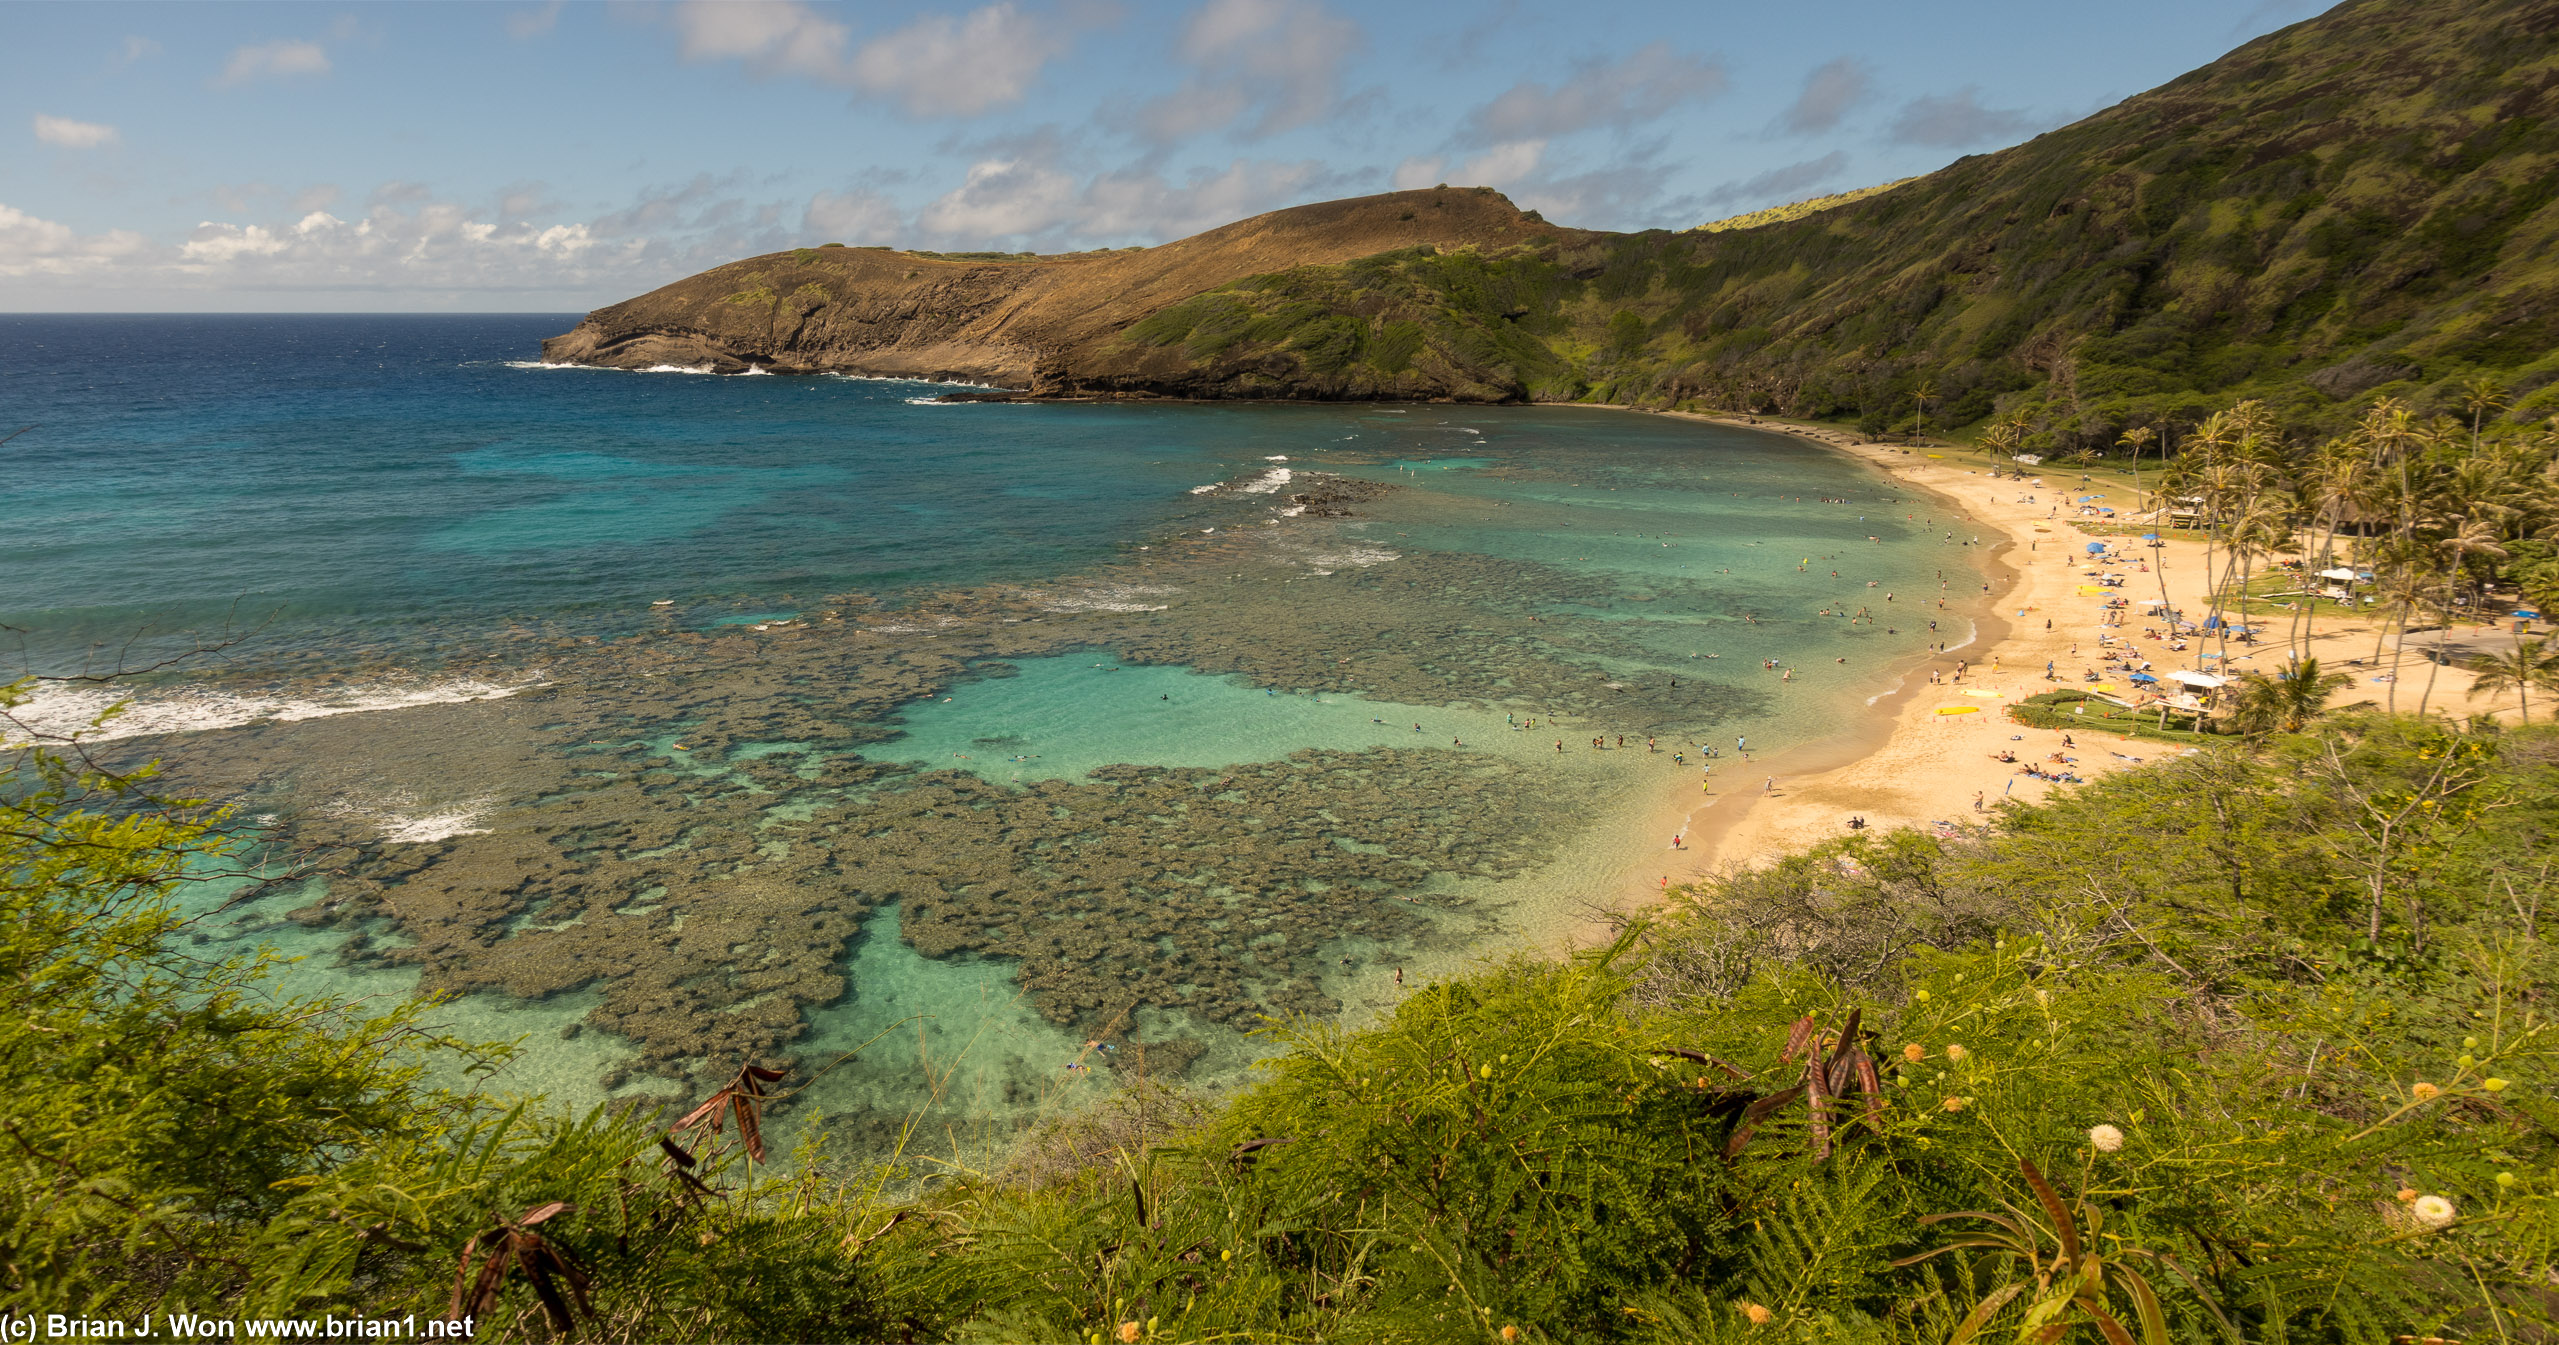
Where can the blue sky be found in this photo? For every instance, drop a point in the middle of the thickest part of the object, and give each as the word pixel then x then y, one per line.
pixel 551 157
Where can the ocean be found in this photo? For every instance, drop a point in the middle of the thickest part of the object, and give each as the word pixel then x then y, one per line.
pixel 976 759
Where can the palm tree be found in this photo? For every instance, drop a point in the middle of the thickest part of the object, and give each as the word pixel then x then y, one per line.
pixel 2480 396
pixel 2004 437
pixel 2530 664
pixel 2136 439
pixel 2477 537
pixel 2284 702
pixel 1924 394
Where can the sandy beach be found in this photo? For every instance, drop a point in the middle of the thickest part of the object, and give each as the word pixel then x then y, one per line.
pixel 1909 765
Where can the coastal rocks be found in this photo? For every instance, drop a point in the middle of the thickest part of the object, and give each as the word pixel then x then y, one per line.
pixel 1332 496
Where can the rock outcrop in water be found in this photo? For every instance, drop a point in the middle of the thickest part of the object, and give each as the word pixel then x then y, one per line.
pixel 1050 325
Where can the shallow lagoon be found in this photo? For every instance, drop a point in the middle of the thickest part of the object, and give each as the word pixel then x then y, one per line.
pixel 863 765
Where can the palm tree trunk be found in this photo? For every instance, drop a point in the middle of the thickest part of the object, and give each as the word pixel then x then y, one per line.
pixel 2434 666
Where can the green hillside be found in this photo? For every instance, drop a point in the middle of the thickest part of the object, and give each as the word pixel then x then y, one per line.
pixel 2354 207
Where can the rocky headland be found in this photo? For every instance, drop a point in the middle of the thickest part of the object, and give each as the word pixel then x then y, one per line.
pixel 1050 326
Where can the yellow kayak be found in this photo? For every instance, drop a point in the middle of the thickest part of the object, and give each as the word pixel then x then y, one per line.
pixel 1958 709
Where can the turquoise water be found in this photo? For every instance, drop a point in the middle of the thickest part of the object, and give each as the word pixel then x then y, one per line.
pixel 1063 717
pixel 677 721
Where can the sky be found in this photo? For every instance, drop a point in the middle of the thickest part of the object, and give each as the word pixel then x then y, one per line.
pixel 555 157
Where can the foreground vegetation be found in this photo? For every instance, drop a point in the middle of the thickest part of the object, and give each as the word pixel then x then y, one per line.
pixel 2250 1045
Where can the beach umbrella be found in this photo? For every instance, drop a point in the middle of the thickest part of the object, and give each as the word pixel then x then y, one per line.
pixel 2144 677
pixel 2150 537
pixel 2095 547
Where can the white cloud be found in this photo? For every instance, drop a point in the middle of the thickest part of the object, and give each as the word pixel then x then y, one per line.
pixel 1280 59
pixel 269 60
pixel 856 217
pixel 71 134
pixel 779 37
pixel 1830 91
pixel 1787 182
pixel 30 246
pixel 1957 121
pixel 1645 85
pixel 439 244
pixel 1022 202
pixel 1499 166
pixel 136 48
pixel 526 24
pixel 936 66
pixel 939 66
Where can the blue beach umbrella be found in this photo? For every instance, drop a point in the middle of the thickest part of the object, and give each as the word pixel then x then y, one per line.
pixel 2095 547
pixel 2143 677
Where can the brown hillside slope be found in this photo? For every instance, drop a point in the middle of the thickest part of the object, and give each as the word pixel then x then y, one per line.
pixel 875 311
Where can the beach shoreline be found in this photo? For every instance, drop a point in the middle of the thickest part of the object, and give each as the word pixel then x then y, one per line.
pixel 1904 764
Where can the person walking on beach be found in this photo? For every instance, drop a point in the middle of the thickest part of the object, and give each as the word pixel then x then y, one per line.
pixel 1559 746
pixel 1770 787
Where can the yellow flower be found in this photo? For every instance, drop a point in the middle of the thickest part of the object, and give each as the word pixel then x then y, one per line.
pixel 1509 1333
pixel 1954 1052
pixel 1914 1053
pixel 2105 1139
pixel 2505 1179
pixel 2424 1092
pixel 1129 1332
pixel 1755 1314
pixel 2406 1194
pixel 1921 996
pixel 1954 1104
pixel 1483 1071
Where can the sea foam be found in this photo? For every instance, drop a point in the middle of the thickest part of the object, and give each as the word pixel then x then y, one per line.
pixel 57 712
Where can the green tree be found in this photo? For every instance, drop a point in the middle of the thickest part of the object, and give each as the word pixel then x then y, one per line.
pixel 157 1097
pixel 2531 665
pixel 2286 701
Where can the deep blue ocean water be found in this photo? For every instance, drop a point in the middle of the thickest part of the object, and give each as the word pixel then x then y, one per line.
pixel 361 475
